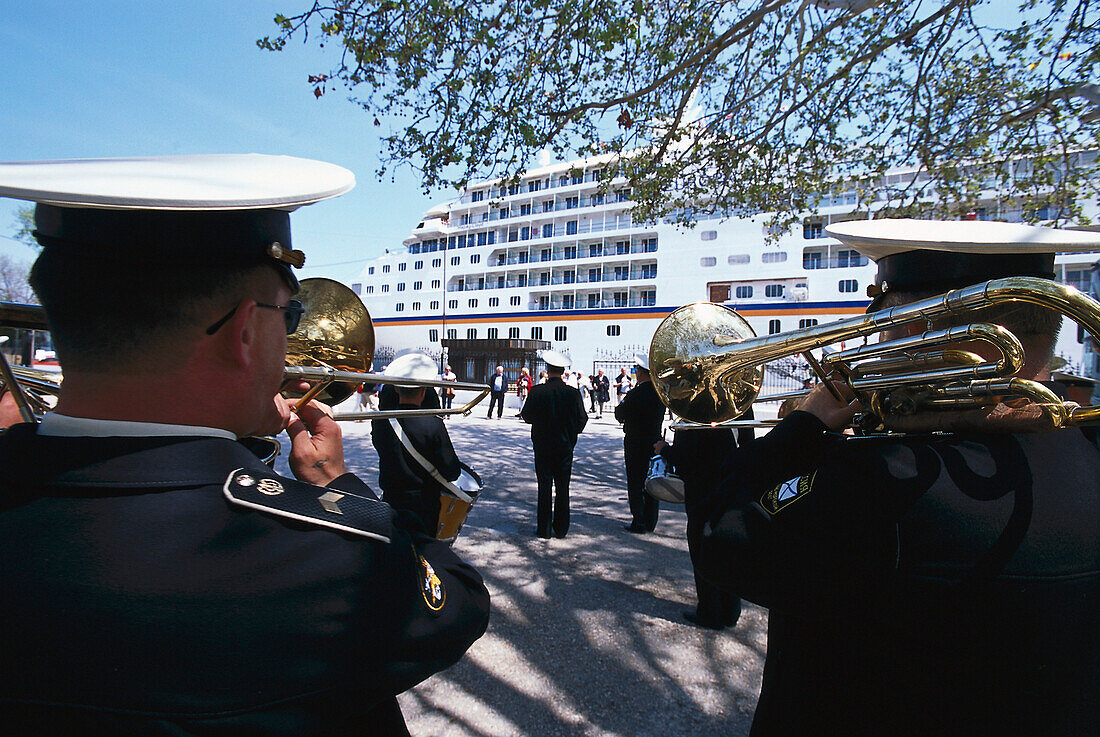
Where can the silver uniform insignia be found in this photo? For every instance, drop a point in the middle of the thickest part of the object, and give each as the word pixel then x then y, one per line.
pixel 328 502
pixel 271 487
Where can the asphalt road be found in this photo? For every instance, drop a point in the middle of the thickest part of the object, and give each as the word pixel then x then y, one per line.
pixel 586 635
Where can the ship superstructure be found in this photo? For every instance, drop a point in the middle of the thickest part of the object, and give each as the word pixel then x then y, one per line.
pixel 557 260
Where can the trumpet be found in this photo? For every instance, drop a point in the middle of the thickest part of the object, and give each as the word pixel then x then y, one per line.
pixel 707 364
pixel 331 350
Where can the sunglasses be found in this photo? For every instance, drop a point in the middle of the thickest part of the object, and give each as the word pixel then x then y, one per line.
pixel 292 315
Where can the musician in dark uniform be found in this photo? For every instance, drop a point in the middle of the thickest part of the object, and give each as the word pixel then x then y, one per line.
pixel 699 457
pixel 157 578
pixel 933 583
pixel 406 482
pixel 641 414
pixel 556 414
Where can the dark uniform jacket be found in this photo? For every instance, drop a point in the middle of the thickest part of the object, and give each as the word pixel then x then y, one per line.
pixel 404 481
pixel 925 585
pixel 641 414
pixel 556 413
pixel 177 586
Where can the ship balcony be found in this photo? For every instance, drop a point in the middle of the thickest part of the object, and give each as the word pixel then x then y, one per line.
pixel 543 280
pixel 571 253
pixel 543 305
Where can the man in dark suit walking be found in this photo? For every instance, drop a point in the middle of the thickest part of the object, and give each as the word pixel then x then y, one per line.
pixel 641 414
pixel 556 414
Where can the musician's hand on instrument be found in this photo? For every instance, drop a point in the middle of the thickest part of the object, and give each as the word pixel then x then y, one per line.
pixel 9 410
pixel 821 403
pixel 659 446
pixel 317 446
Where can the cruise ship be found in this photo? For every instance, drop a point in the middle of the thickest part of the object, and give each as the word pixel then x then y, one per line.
pixel 555 260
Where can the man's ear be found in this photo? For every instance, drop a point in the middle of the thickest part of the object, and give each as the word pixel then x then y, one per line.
pixel 238 337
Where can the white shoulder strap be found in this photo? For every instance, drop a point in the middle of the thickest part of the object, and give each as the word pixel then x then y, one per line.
pixel 432 470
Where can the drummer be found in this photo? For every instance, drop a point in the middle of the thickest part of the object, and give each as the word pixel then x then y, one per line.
pixel 408 482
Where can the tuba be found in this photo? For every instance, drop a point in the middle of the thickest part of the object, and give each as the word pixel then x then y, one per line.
pixel 707 364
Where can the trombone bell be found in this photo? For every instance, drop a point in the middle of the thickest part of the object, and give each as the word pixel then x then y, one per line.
pixel 685 359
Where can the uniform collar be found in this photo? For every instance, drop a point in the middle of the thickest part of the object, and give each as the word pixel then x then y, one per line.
pixel 65 426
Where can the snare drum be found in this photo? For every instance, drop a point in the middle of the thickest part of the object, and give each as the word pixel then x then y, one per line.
pixel 661 483
pixel 453 510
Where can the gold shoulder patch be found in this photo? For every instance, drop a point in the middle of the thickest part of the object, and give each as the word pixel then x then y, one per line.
pixel 431 586
pixel 787 493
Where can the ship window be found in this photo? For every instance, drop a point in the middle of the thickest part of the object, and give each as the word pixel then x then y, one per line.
pixel 357 287
pixel 385 288
pixel 559 332
pixel 418 265
pixel 708 261
pixel 370 289
pixel 475 258
pixel 401 266
pixel 812 260
pixel 400 307
pixel 620 299
pixel 773 257
pixel 436 283
pixel 850 258
pixel 570 252
pixel 494 301
pixel 471 333
pixel 743 292
pixel 773 290
pixel 536 333
pixel 545 254
pixel 472 303
pixel 593 300
pixel 738 258
pixel 708 235
pixel 386 269
pixel 544 302
pixel 773 327
pixel 452 304
pixel 513 333
pixel 433 335
pixel 436 263
pixel 848 285
pixel 434 304
pixel 807 323
pixel 548 230
pixel 370 270
pixel 514 301
pixel 454 260
pixel 571 227
pixel 649 271
pixel 416 306
pixel 418 285
pixel 612 330
pixel 401 286
pixel 567 301
pixel 451 333
pixel 649 297
pixel 492 332
pixel 534 185
pixel 569 276
pixel 813 230
pixel 477 196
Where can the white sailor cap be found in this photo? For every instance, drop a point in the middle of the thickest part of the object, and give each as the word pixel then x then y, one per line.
pixel 641 360
pixel 221 209
pixel 947 254
pixel 555 359
pixel 416 366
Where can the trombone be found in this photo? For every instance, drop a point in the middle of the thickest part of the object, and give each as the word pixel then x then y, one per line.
pixel 332 351
pixel 707 364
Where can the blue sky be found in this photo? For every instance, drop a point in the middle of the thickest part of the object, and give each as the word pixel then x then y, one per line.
pixel 114 78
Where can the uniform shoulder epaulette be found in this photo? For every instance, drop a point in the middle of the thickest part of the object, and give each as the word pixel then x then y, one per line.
pixel 311 504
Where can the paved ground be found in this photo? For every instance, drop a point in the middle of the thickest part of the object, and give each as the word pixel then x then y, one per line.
pixel 586 635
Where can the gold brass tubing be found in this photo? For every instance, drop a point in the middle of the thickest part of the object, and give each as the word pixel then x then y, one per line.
pixel 16 391
pixel 1084 416
pixel 822 376
pixel 728 424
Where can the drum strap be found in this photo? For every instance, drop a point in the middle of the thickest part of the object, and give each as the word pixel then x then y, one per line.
pixel 450 486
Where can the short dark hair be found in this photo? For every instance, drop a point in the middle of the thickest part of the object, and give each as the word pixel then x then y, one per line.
pixel 102 313
pixel 1033 324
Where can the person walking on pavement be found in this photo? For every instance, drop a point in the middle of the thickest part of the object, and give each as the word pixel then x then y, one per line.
pixel 556 414
pixel 641 413
pixel 448 392
pixel 498 387
pixel 602 386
